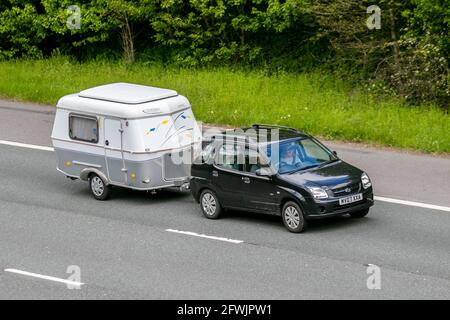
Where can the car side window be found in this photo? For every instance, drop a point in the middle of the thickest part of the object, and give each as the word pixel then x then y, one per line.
pixel 83 128
pixel 207 153
pixel 254 161
pixel 231 157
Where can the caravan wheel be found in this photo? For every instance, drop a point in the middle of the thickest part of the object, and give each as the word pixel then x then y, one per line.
pixel 99 189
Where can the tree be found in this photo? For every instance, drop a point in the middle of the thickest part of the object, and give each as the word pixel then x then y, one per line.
pixel 409 53
pixel 203 31
pixel 125 15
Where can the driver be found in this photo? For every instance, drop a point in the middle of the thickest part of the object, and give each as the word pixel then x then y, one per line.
pixel 288 155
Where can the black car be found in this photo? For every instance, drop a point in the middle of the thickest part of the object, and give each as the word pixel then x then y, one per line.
pixel 277 170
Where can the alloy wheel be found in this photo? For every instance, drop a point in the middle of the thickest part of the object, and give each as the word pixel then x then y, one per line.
pixel 97 186
pixel 292 217
pixel 209 204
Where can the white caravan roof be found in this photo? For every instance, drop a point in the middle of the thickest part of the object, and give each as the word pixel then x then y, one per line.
pixel 125 100
pixel 127 93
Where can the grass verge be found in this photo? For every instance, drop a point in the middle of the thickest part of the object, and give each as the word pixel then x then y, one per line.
pixel 312 102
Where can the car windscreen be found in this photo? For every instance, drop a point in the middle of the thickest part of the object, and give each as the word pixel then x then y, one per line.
pixel 296 155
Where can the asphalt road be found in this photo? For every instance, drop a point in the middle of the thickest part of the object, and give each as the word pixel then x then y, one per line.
pixel 124 250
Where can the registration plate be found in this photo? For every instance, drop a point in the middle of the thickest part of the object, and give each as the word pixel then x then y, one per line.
pixel 350 199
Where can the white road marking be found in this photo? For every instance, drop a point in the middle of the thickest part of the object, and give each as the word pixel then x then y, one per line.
pixel 205 236
pixel 41 276
pixel 384 199
pixel 413 204
pixel 25 145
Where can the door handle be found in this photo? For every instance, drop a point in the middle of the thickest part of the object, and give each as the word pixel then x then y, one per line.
pixel 246 179
pixel 215 173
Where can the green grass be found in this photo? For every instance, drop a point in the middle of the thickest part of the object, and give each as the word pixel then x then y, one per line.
pixel 314 103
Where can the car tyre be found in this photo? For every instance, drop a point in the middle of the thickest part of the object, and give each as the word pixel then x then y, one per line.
pixel 359 214
pixel 210 204
pixel 293 218
pixel 98 187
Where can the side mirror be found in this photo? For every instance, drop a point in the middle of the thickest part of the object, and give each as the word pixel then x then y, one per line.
pixel 264 172
pixel 335 153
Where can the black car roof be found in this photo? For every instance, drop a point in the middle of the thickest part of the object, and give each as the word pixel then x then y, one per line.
pixel 261 134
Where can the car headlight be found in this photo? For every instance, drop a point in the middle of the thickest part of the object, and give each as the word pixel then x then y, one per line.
pixel 365 181
pixel 318 193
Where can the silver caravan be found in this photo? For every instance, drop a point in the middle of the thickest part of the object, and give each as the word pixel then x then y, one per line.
pixel 125 135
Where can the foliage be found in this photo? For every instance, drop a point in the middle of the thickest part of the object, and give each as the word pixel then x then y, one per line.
pixel 409 55
pixel 410 52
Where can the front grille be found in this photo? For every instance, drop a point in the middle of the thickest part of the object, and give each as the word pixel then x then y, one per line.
pixel 347 190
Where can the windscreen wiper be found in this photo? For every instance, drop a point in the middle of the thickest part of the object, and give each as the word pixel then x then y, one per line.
pixel 304 168
pixel 328 162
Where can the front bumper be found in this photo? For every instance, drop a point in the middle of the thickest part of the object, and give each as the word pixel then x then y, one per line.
pixel 331 208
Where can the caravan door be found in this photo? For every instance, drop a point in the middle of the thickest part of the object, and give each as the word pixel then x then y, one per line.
pixel 114 151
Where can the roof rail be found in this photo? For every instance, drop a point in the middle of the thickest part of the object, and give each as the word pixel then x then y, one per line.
pixel 228 136
pixel 259 125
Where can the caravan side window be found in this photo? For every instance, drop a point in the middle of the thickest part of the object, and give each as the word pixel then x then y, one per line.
pixel 83 128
